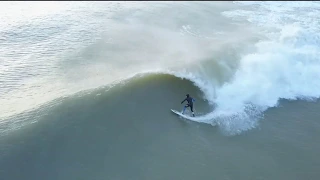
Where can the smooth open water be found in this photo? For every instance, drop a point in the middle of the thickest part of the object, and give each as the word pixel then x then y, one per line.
pixel 86 90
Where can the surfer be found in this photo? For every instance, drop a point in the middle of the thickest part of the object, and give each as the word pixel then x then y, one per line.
pixel 190 101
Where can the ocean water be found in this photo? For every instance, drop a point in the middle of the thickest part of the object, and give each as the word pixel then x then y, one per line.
pixel 86 90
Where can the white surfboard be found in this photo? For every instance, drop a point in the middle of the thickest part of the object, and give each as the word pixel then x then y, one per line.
pixel 182 115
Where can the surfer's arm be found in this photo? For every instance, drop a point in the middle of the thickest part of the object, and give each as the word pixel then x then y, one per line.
pixel 184 100
pixel 193 100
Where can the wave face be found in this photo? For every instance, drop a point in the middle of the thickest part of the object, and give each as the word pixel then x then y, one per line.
pixel 245 59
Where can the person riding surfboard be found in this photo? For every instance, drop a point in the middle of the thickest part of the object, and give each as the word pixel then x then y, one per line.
pixel 190 101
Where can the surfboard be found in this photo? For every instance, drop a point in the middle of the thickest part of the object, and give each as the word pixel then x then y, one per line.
pixel 182 115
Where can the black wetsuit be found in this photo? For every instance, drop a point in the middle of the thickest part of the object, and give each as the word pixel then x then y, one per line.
pixel 190 102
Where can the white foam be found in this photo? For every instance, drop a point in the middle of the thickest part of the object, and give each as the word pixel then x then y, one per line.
pixel 287 66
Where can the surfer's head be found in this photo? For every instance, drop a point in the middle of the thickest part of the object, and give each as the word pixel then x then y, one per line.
pixel 187 95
